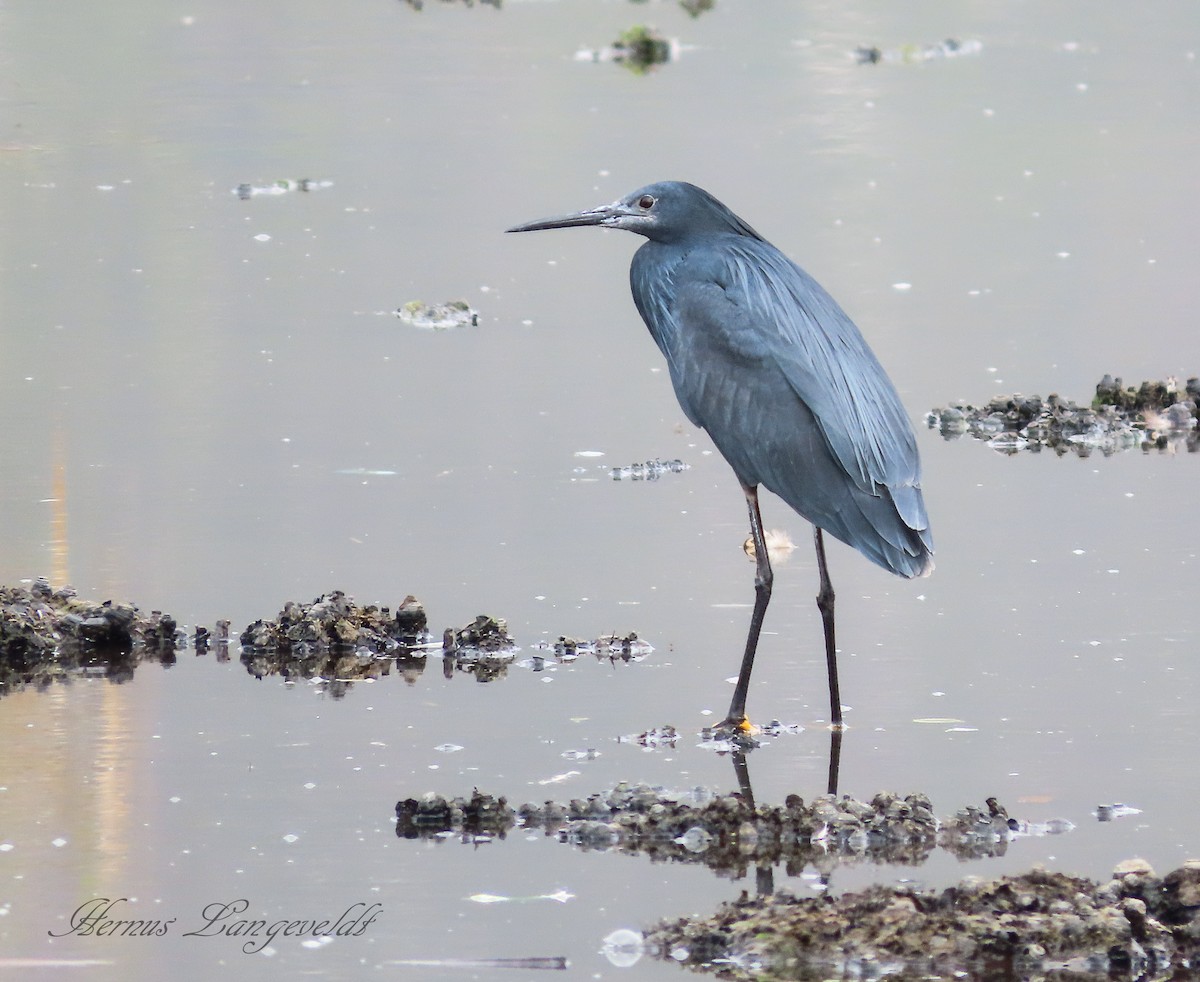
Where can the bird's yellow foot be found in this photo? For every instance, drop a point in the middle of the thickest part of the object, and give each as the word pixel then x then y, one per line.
pixel 738 731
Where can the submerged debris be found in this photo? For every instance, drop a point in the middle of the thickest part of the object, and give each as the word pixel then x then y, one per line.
pixel 651 470
pixel 438 316
pixel 611 646
pixel 1158 415
pixel 285 186
pixel 1038 924
pixel 654 738
pixel 420 4
pixel 909 53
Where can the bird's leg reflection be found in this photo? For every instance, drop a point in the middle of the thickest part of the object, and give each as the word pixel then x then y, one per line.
pixel 741 770
pixel 825 605
pixel 835 761
pixel 835 758
pixel 764 876
pixel 763 577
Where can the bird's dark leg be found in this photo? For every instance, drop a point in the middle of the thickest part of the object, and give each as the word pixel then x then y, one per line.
pixel 762 596
pixel 825 606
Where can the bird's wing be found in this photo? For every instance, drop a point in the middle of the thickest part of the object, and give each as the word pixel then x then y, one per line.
pixel 764 360
pixel 768 363
pixel 825 359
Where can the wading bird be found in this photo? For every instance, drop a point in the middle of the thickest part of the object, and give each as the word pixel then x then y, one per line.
pixel 766 362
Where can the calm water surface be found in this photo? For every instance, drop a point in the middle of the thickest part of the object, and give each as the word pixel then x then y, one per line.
pixel 197 393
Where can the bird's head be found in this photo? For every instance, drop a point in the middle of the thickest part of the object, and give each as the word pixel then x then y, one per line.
pixel 665 212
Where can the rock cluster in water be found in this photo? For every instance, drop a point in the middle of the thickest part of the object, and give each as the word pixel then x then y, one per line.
pixel 433 815
pixel 1039 924
pixel 39 619
pixel 1152 415
pixel 729 834
pixel 49 635
pixel 1036 925
pixel 334 621
pixel 485 635
pixel 333 639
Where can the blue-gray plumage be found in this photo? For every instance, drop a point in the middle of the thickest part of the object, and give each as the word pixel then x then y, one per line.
pixel 765 361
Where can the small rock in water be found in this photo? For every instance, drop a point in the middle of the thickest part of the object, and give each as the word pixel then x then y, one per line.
pixel 1107 813
pixel 950 48
pixel 639 49
pixel 1132 867
pixel 589 754
pixel 651 470
pixel 439 316
pixel 284 186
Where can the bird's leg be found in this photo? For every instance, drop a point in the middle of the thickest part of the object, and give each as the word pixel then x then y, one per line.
pixel 736 720
pixel 825 606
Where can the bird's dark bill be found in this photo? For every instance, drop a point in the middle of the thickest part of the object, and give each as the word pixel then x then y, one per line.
pixel 593 216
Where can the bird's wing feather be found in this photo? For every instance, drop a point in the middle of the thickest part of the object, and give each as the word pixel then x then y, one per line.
pixel 774 305
pixel 828 364
pixel 766 361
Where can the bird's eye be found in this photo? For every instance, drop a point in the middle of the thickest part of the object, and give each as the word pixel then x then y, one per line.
pixel 646 202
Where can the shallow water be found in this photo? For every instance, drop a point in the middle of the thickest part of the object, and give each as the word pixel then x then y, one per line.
pixel 200 392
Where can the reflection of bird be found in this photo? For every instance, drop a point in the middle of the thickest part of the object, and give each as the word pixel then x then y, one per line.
pixel 767 362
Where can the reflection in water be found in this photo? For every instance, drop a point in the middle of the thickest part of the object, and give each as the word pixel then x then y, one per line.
pixel 730 833
pixel 555 963
pixel 59 545
pixel 49 636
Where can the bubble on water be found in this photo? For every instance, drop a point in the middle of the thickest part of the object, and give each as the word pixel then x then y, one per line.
pixel 624 948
